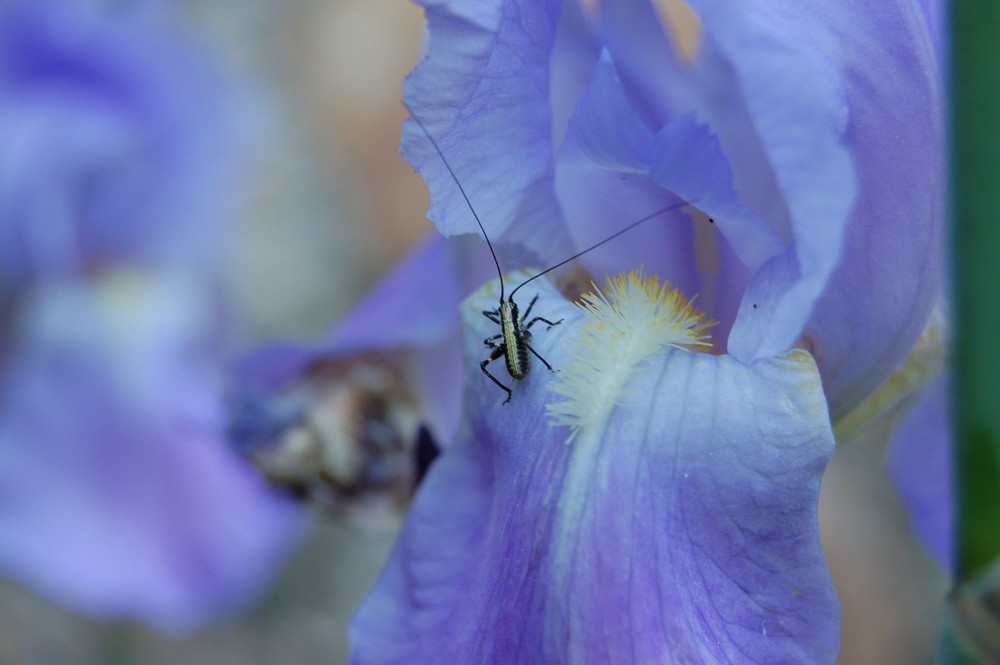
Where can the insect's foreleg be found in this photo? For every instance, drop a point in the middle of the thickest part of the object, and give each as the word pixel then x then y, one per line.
pixel 531 304
pixel 493 315
pixel 498 351
pixel 544 361
pixel 527 313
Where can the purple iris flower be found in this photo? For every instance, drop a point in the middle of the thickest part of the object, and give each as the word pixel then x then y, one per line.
pixel 119 495
pixel 660 506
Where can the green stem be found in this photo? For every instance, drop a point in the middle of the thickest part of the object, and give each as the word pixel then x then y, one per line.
pixel 975 198
pixel 973 625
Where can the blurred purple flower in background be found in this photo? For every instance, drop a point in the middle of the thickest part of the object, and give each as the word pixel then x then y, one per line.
pixel 679 523
pixel 120 160
pixel 341 418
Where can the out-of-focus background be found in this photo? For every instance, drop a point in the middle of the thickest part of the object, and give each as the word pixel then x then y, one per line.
pixel 333 206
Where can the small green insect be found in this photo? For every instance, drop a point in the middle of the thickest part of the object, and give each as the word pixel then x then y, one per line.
pixel 512 342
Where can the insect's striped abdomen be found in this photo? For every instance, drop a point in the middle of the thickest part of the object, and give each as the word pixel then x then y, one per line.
pixel 516 353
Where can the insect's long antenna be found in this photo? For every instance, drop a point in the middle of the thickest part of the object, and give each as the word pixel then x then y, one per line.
pixel 464 196
pixel 608 239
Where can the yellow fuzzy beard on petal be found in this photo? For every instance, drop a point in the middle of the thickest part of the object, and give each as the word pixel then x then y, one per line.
pixel 633 318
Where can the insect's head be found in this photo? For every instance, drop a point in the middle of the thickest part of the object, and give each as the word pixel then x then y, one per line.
pixel 513 307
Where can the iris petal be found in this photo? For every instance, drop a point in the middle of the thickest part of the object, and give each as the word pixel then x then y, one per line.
pixel 830 117
pixel 613 170
pixel 824 84
pixel 160 521
pixel 481 91
pixel 685 531
pixel 920 465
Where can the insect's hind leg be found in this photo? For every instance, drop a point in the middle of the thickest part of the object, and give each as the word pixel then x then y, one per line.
pixel 498 351
pixel 544 361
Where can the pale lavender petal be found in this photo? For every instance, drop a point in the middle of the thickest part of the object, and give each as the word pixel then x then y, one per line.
pixel 798 109
pixel 574 55
pixel 800 96
pixel 891 267
pixel 438 372
pixel 688 161
pixel 603 191
pixel 685 531
pixel 770 104
pixel 663 86
pixel 658 79
pixel 920 465
pixel 482 92
pixel 823 82
pixel 612 170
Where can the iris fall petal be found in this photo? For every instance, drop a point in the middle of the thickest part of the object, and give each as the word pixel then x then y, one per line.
pixel 685 530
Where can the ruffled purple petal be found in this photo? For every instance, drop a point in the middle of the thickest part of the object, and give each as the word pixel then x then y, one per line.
pixel 663 86
pixel 823 94
pixel 612 170
pixel 778 115
pixel 794 99
pixel 684 531
pixel 892 258
pixel 830 117
pixel 688 161
pixel 798 98
pixel 482 92
pixel 575 53
pixel 119 495
pixel 920 465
